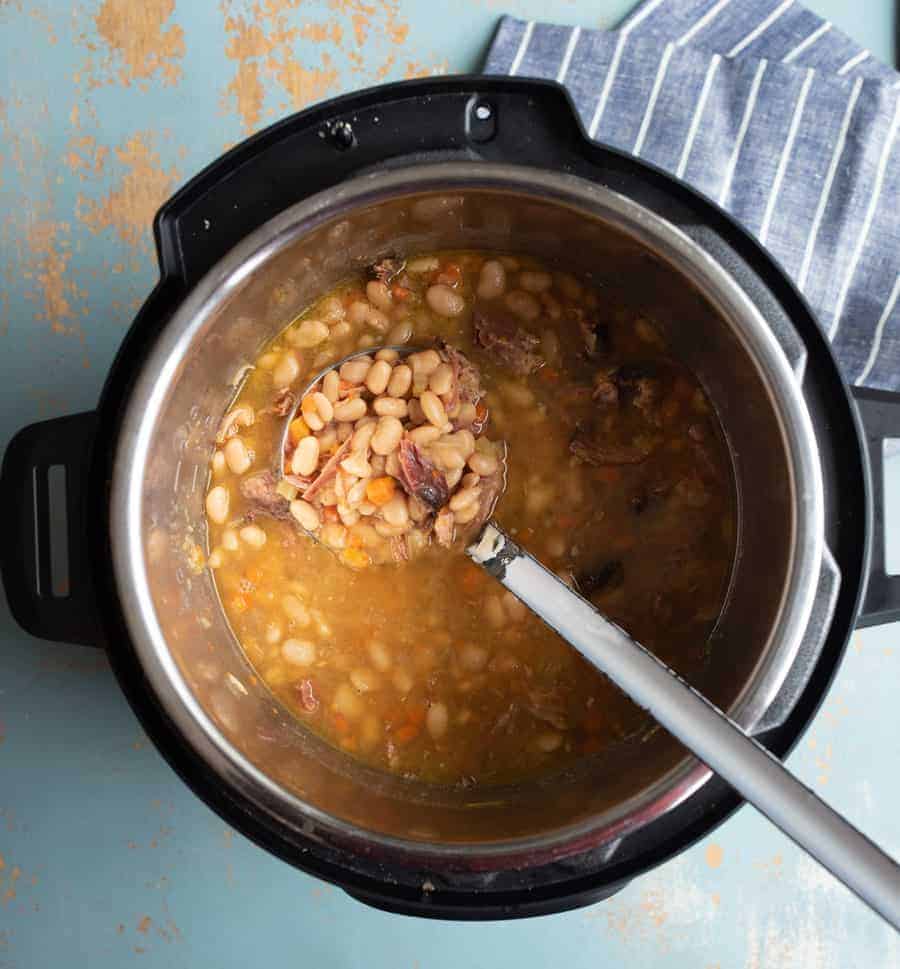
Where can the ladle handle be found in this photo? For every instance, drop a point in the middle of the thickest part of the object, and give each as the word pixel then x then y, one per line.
pixel 758 776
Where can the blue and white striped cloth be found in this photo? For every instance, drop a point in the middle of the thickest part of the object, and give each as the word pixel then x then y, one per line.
pixel 772 112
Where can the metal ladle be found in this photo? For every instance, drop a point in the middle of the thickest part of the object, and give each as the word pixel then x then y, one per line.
pixel 702 727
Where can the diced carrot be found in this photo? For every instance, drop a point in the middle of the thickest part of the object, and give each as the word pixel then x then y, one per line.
pixel 356 558
pixel 449 275
pixel 481 412
pixel 407 733
pixel 415 714
pixel 549 374
pixel 608 475
pixel 380 490
pixel 399 292
pixel 341 724
pixel 255 574
pixel 330 514
pixel 567 521
pixel 239 603
pixel 349 743
pixel 298 429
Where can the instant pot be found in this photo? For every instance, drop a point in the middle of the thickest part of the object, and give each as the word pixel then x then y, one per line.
pixel 465 162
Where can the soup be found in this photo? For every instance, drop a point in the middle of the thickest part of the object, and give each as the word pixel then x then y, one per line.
pixel 616 477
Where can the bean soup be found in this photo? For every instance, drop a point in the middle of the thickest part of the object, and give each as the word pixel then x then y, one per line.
pixel 381 636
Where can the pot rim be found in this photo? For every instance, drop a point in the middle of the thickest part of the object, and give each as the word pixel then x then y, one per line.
pixel 652 231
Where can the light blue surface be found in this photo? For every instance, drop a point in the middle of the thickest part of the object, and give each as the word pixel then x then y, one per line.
pixel 104 836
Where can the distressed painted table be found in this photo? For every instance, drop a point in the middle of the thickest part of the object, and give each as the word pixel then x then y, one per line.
pixel 106 859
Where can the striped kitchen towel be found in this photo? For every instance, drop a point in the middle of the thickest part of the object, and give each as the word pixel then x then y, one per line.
pixel 773 113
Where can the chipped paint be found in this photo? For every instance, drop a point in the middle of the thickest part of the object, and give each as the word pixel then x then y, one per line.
pixel 140 40
pixel 130 206
pixel 84 157
pixel 416 69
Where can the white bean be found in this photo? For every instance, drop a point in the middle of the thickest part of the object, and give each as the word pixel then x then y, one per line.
pixel 304 512
pixel 286 371
pixel 295 611
pixel 217 501
pixel 218 463
pixel 444 301
pixel 347 702
pixel 331 310
pixel 464 440
pixel 464 497
pixel 364 680
pixel 377 320
pixel 401 333
pixel 483 464
pixel 441 381
pixel 351 409
pixel 310 333
pixel 437 720
pixel 424 264
pixel 422 436
pixel 433 409
pixel 390 407
pixel 395 511
pixel 401 378
pixel 333 535
pixel 354 371
pixel 237 457
pixel 533 281
pixel 306 456
pixel 387 354
pixel 523 305
pixel 331 386
pixel 253 535
pixel 425 362
pixel 381 658
pixel 378 376
pixel 324 407
pixel 467 414
pixel 298 652
pixel 358 312
pixel 230 541
pixel 362 436
pixel 387 435
pixel 491 280
pixel 327 438
pixel 357 464
pixel 548 742
pixel 467 514
pixel 379 295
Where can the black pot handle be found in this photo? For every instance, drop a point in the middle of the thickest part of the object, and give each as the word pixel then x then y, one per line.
pixel 44 556
pixel 879 411
pixel 468 117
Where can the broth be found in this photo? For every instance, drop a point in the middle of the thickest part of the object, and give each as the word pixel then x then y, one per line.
pixel 617 478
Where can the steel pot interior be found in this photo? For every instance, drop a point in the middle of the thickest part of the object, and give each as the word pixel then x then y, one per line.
pixel 181 636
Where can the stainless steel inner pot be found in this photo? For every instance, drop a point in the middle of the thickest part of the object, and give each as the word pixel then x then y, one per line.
pixel 188 652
